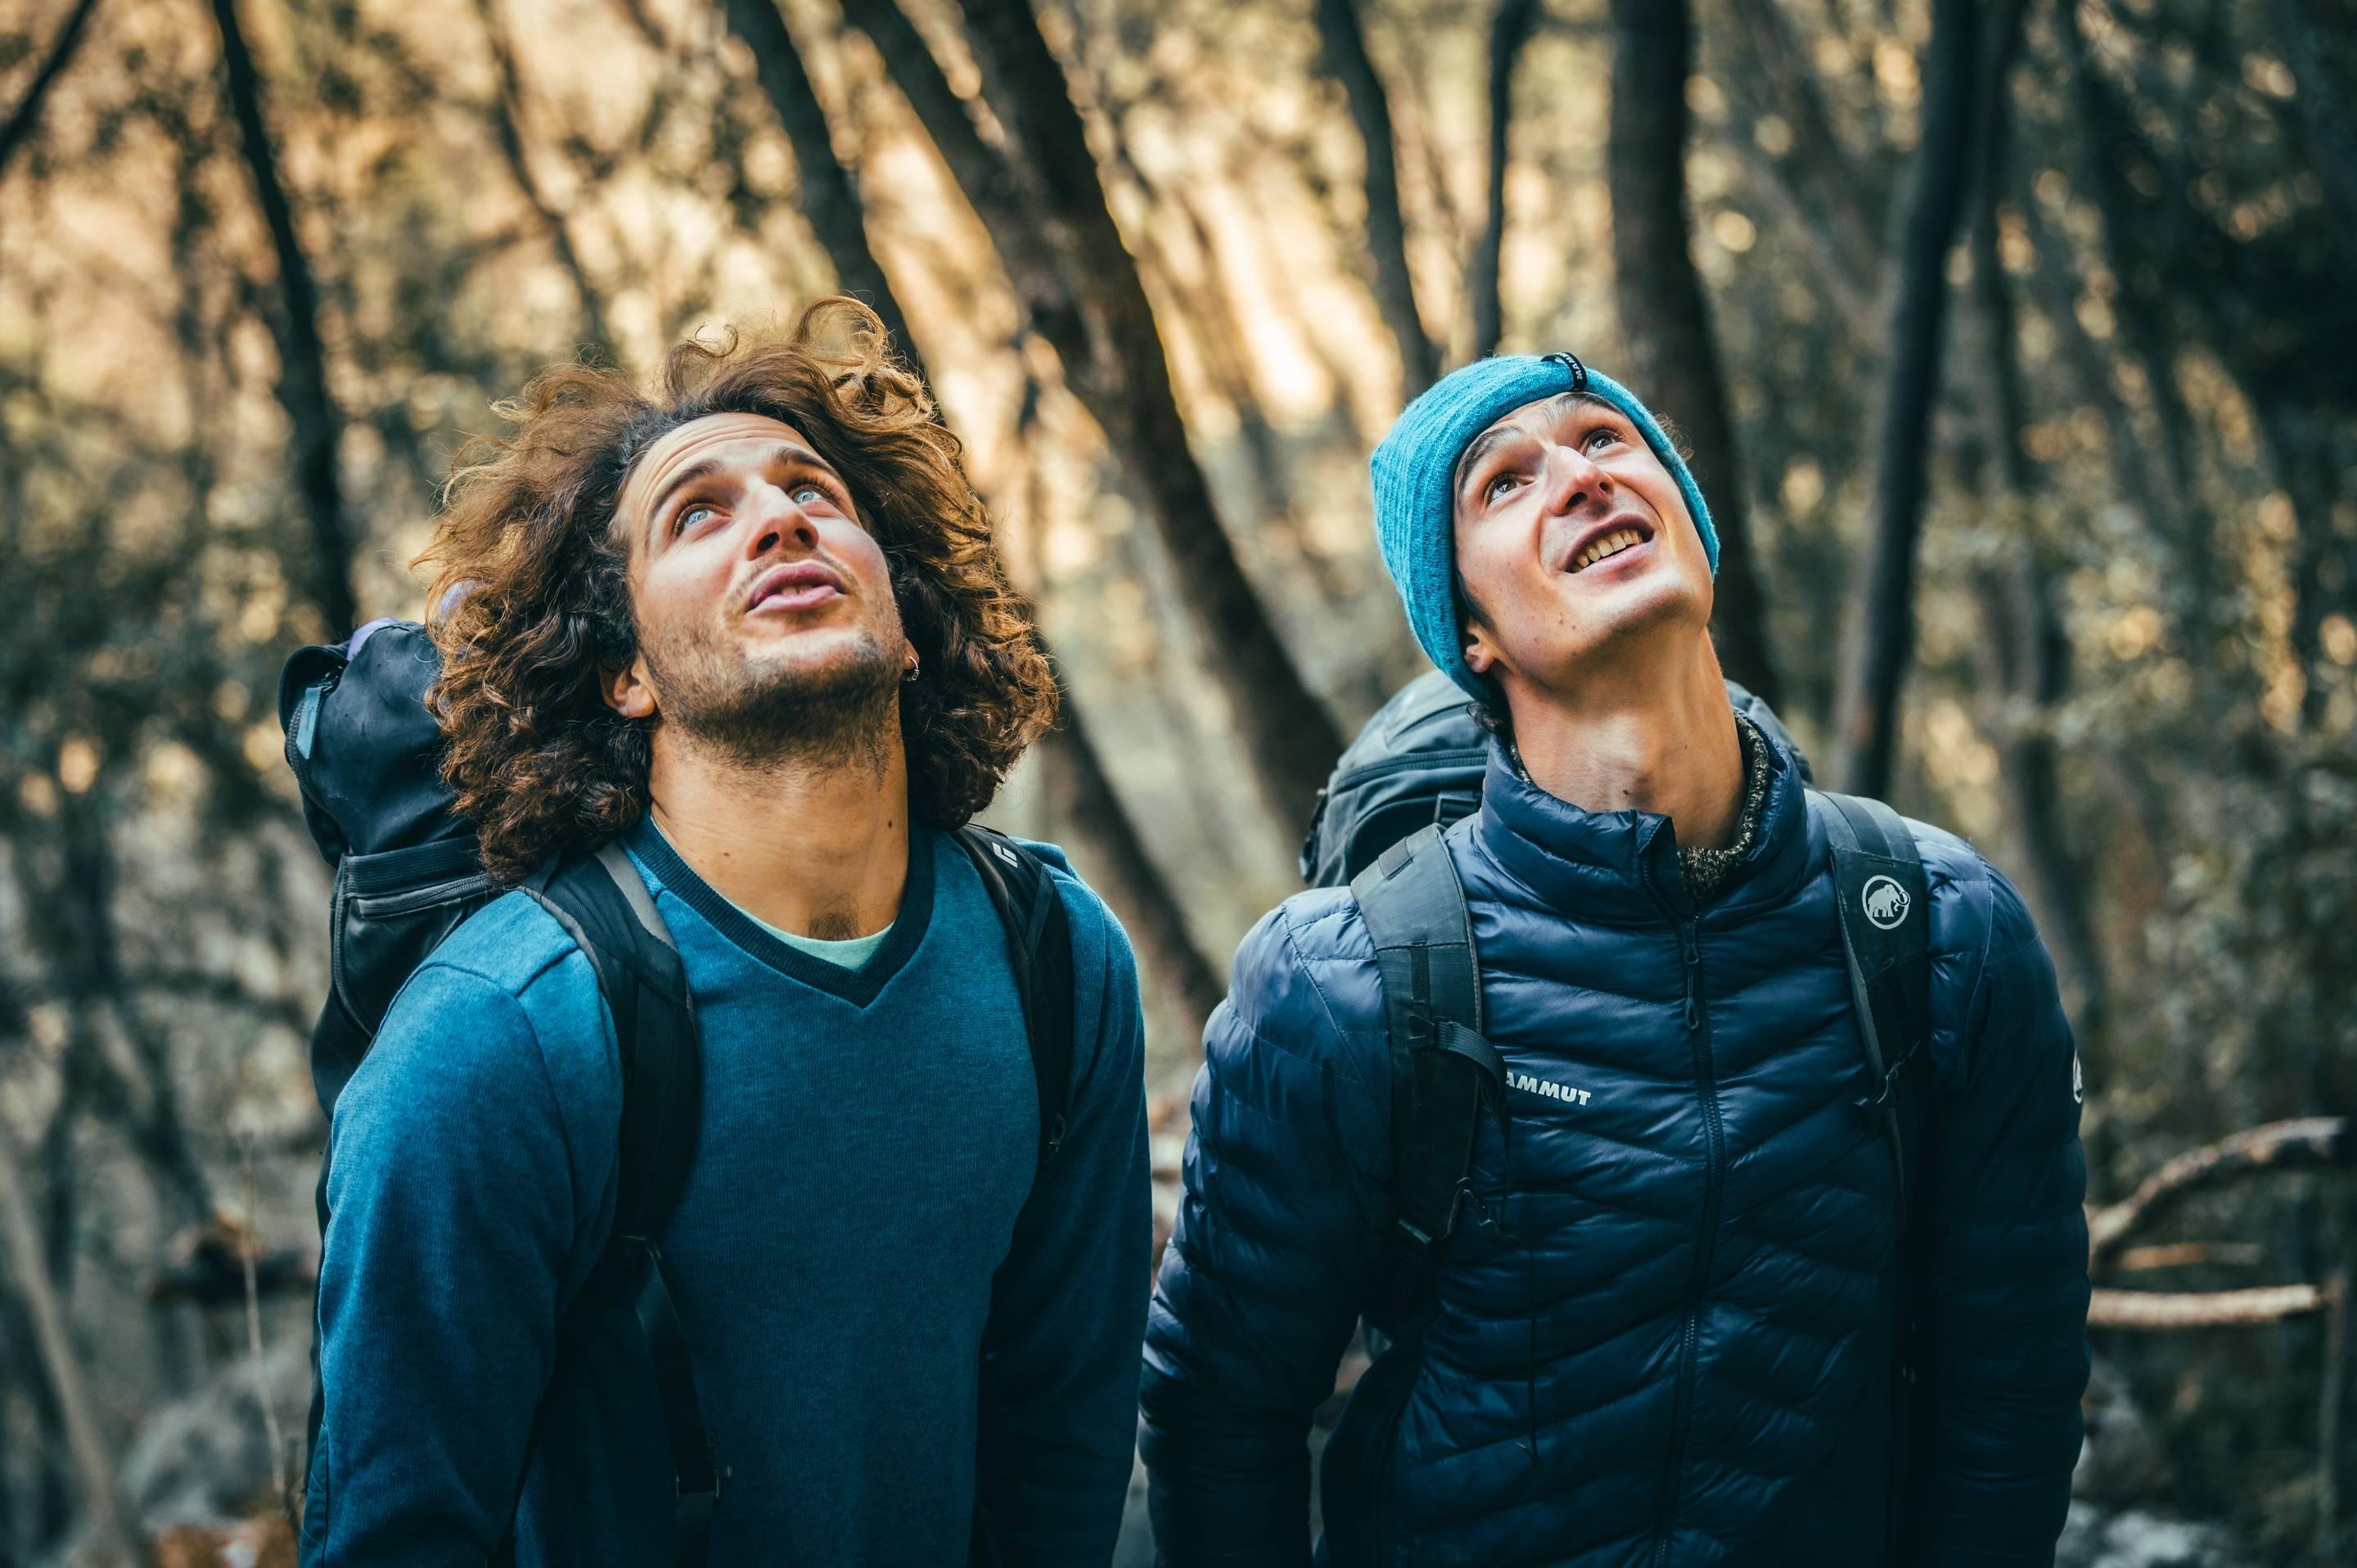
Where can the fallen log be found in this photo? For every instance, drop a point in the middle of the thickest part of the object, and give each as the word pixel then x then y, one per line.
pixel 2310 1143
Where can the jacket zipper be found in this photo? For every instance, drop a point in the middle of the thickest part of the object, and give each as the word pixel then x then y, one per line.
pixel 1698 1020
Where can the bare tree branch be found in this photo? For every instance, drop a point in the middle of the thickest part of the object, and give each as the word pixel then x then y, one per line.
pixel 317 424
pixel 1345 44
pixel 1664 316
pixel 830 196
pixel 1510 29
pixel 2187 1255
pixel 2100 128
pixel 506 121
pixel 57 1359
pixel 1125 872
pixel 1882 643
pixel 2158 1310
pixel 19 124
pixel 1837 269
pixel 2314 1142
pixel 2332 142
pixel 1089 305
pixel 1826 175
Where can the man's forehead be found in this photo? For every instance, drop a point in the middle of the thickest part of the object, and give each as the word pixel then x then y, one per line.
pixel 712 436
pixel 1541 413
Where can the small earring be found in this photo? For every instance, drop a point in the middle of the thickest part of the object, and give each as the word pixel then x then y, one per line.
pixel 909 674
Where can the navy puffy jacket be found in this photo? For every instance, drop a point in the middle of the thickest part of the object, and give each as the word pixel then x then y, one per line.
pixel 1671 1344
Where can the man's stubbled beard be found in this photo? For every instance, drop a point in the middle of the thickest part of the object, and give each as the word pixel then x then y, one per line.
pixel 835 714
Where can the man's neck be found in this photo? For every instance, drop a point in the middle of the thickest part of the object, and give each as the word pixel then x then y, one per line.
pixel 1654 736
pixel 818 848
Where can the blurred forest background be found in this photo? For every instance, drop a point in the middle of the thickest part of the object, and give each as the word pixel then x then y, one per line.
pixel 2016 343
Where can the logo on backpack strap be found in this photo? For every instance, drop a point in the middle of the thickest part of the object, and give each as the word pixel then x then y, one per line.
pixel 1885 902
pixel 1005 854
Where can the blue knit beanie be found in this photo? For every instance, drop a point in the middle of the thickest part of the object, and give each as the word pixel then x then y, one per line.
pixel 1415 504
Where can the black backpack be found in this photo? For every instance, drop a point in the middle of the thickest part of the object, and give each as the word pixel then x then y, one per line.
pixel 367 752
pixel 1413 771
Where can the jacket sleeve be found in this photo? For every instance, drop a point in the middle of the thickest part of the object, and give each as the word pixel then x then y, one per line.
pixel 2008 1258
pixel 1058 1378
pixel 1287 1177
pixel 457 1219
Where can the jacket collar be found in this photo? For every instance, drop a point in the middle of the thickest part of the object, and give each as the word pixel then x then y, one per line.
pixel 1622 867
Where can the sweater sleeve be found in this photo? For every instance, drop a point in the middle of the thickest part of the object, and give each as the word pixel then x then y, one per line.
pixel 457 1219
pixel 1258 1292
pixel 1060 1353
pixel 2007 1264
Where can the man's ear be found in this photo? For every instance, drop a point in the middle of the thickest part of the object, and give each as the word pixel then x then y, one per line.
pixel 1479 656
pixel 629 691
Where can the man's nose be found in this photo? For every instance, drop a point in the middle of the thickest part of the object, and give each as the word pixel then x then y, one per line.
pixel 1570 480
pixel 777 520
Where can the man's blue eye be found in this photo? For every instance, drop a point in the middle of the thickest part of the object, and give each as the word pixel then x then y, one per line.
pixel 805 495
pixel 687 518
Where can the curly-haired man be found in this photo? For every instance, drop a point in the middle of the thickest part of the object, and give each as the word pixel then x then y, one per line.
pixel 753 626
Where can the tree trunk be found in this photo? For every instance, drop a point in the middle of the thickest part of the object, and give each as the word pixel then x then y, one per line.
pixel 1345 45
pixel 1132 883
pixel 1510 29
pixel 1089 304
pixel 2323 113
pixel 830 197
pixel 2018 598
pixel 1121 868
pixel 2101 127
pixel 318 425
pixel 1883 636
pixel 63 1368
pixel 19 127
pixel 1666 319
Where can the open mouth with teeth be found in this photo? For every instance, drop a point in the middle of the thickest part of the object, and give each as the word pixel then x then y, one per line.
pixel 1605 546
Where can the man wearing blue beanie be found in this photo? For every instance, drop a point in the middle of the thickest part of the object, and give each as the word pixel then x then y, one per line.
pixel 1666 1317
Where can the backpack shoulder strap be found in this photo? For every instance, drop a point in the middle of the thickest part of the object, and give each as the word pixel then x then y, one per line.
pixel 1443 1070
pixel 1039 943
pixel 603 902
pixel 1886 926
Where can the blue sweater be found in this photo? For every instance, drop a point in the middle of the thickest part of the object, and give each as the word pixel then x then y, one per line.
pixel 844 1254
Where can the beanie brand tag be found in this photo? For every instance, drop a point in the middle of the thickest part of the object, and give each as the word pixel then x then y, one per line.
pixel 1570 361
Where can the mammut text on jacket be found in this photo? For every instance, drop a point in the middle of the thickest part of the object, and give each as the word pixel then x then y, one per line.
pixel 1663 1334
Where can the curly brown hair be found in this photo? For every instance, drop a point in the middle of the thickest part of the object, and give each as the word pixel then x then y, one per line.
pixel 532 580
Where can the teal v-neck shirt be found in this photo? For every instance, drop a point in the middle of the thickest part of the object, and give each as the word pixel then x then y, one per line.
pixel 862 1309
